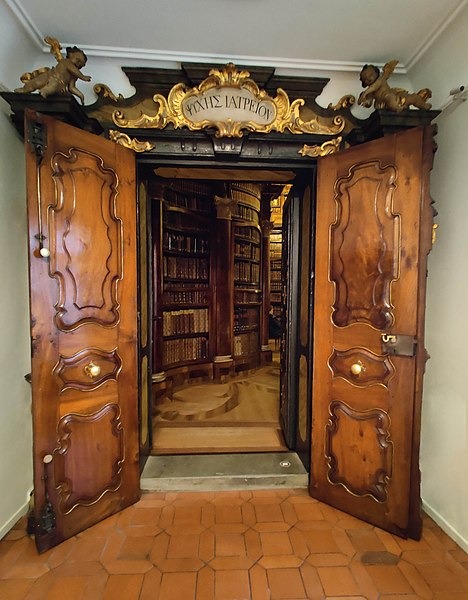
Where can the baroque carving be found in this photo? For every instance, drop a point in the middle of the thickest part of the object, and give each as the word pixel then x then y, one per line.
pixel 229 92
pixel 383 96
pixel 104 91
pixel 73 373
pixel 83 223
pixel 81 438
pixel 359 451
pixel 329 147
pixel 365 253
pixel 133 143
pixel 60 79
pixel 344 102
pixel 375 369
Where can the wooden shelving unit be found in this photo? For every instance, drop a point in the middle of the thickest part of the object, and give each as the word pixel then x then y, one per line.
pixel 185 301
pixel 276 281
pixel 247 275
pixel 197 272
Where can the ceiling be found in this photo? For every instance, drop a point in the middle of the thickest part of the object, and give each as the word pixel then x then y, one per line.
pixel 317 35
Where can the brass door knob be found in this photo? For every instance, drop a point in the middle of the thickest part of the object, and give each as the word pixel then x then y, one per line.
pixel 357 368
pixel 92 370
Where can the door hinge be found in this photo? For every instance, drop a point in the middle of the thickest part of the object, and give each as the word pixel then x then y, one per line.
pixel 398 345
pixel 37 139
pixel 47 519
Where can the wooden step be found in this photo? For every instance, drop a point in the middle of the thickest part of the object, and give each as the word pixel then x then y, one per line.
pixel 186 440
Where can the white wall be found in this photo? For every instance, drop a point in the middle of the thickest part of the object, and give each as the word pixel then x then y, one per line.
pixel 15 402
pixel 444 444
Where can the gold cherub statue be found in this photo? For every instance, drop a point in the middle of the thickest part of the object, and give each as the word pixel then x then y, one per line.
pixel 60 79
pixel 383 96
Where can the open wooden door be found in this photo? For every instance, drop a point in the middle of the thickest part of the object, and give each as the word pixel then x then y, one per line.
pixel 296 360
pixel 374 223
pixel 289 341
pixel 82 236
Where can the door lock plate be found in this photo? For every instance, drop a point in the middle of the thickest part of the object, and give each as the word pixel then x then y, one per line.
pixel 399 345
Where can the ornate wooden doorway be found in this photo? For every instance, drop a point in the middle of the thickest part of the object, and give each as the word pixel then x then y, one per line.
pixel 368 353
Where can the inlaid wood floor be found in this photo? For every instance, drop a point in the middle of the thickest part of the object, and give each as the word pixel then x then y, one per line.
pixel 246 545
pixel 237 416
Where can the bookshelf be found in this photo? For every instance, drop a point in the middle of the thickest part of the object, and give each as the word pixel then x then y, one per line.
pixel 207 280
pixel 276 283
pixel 183 315
pixel 247 275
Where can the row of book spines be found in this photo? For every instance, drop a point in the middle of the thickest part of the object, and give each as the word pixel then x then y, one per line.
pixel 187 200
pixel 247 272
pixel 248 233
pixel 275 275
pixel 182 186
pixel 246 344
pixel 275 264
pixel 185 268
pixel 185 243
pixel 276 298
pixel 177 322
pixel 185 297
pixel 245 297
pixel 247 251
pixel 245 191
pixel 245 213
pixel 176 351
pixel 276 286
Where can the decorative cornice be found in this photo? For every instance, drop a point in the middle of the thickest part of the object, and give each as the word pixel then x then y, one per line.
pixel 175 59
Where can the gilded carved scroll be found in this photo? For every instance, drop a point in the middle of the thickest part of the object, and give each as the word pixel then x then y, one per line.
pixel 229 101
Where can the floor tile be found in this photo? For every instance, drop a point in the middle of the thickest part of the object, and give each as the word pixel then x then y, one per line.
pixel 252 545
pixel 389 579
pixel 337 581
pixel 286 583
pixel 276 543
pixel 175 586
pixel 123 587
pixel 15 589
pixel 232 585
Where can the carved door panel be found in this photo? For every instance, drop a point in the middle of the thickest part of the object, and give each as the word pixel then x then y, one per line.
pixel 374 222
pixel 82 236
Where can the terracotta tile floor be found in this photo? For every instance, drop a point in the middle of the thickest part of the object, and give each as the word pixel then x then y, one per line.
pixel 255 545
